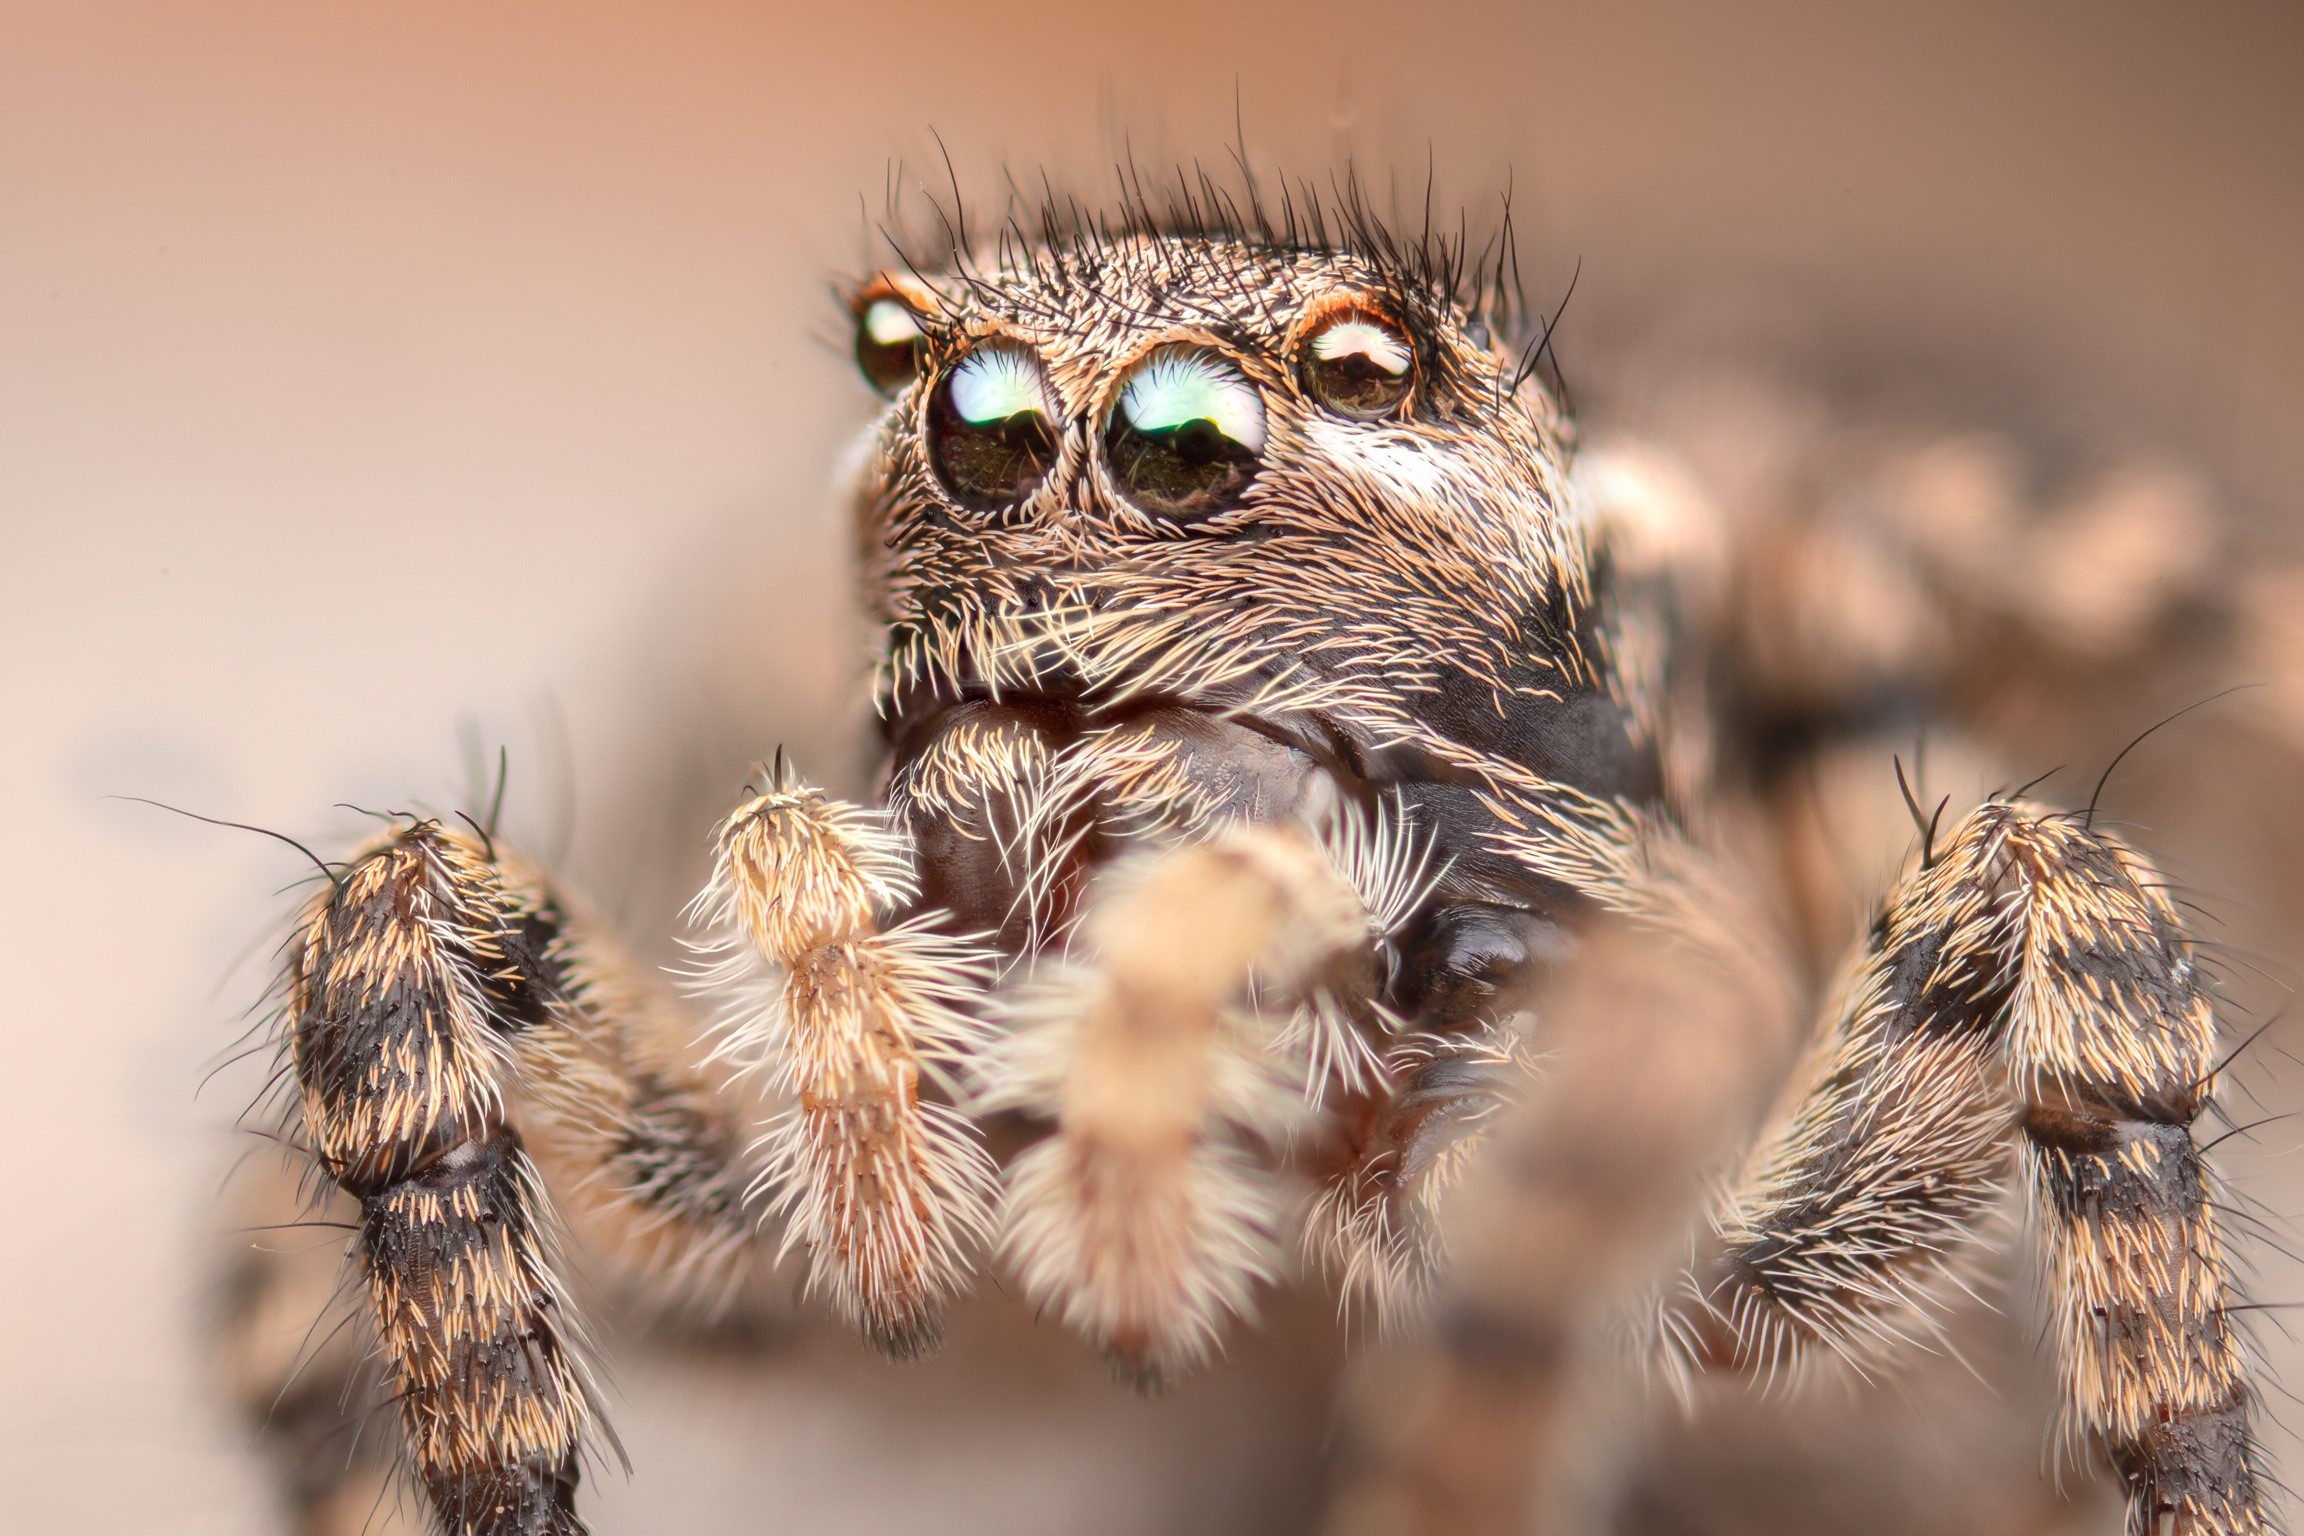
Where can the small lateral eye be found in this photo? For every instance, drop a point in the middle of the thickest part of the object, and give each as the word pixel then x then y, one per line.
pixel 1359 365
pixel 889 344
pixel 991 429
pixel 1186 434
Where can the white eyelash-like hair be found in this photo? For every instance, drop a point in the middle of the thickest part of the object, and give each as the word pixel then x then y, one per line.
pixel 1116 655
pixel 1377 854
pixel 992 785
pixel 1134 784
pixel 1380 856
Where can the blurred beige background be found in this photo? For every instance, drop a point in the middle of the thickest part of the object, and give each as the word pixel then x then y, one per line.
pixel 365 368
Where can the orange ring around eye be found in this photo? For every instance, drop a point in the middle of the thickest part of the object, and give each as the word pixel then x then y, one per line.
pixel 891 340
pixel 1354 358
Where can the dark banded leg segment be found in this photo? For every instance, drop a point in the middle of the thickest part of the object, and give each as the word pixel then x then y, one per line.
pixel 492 1403
pixel 2033 973
pixel 411 980
pixel 463 1035
pixel 2112 1040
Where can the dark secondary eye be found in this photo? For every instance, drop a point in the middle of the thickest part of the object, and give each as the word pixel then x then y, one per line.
pixel 1185 434
pixel 888 344
pixel 1359 366
pixel 991 429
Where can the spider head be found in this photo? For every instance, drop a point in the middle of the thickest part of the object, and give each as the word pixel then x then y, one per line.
pixel 1271 525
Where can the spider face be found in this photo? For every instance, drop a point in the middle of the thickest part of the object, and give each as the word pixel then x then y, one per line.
pixel 1183 531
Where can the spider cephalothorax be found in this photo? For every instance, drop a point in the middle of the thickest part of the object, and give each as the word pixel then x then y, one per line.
pixel 1281 746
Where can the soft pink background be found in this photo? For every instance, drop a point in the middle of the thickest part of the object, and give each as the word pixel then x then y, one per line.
pixel 365 367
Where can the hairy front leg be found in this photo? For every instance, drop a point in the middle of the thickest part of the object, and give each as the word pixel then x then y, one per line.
pixel 412 979
pixel 2032 973
pixel 452 1024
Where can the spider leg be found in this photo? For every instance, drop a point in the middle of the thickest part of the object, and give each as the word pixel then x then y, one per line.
pixel 451 1024
pixel 886 1190
pixel 1193 1030
pixel 411 978
pixel 642 1134
pixel 2034 975
pixel 1659 1047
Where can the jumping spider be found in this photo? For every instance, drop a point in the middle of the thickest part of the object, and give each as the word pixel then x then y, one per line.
pixel 1292 741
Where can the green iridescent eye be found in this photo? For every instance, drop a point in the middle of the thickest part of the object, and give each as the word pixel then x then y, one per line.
pixel 1359 366
pixel 991 428
pixel 889 343
pixel 1186 434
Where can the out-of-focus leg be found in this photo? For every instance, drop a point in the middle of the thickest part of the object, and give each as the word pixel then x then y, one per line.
pixel 1172 1057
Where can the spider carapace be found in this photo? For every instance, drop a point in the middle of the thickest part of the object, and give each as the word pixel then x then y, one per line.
pixel 1311 835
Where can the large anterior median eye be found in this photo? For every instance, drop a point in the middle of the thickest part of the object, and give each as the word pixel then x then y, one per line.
pixel 991 427
pixel 1359 365
pixel 1185 434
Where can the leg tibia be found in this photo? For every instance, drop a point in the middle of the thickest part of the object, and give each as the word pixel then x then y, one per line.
pixel 491 1400
pixel 2139 1291
pixel 449 1018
